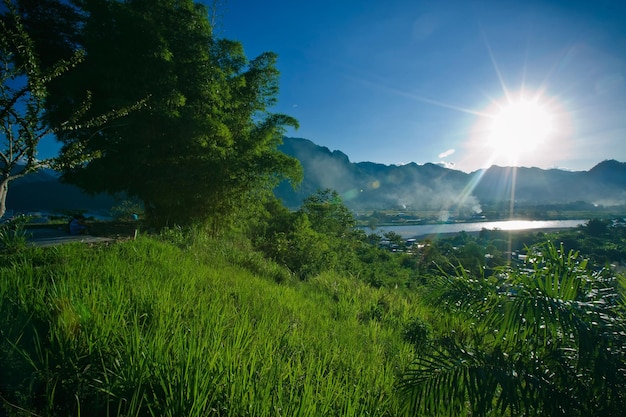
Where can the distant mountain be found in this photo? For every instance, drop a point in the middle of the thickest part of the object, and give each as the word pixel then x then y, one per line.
pixel 43 192
pixel 604 184
pixel 367 185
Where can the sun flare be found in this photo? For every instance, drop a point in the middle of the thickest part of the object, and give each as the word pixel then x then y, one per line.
pixel 520 126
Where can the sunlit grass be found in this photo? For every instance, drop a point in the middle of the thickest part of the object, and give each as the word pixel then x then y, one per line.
pixel 147 327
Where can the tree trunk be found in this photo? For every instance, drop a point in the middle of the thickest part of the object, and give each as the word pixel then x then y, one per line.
pixel 4 189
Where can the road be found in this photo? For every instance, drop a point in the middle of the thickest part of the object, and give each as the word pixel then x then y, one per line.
pixel 44 237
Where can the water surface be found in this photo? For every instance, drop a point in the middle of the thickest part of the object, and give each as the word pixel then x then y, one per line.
pixel 408 231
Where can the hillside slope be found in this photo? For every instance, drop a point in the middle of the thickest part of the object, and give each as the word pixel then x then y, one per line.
pixel 42 191
pixel 145 327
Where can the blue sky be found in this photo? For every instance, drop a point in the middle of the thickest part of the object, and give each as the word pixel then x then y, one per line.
pixel 400 81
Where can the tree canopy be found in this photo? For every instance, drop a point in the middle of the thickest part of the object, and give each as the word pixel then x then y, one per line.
pixel 205 145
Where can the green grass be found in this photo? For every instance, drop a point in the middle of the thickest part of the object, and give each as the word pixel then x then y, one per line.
pixel 194 328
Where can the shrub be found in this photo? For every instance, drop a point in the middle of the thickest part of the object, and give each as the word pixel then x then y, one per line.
pixel 13 235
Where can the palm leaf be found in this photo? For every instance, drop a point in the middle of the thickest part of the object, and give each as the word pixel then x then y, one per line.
pixel 551 340
pixel 457 380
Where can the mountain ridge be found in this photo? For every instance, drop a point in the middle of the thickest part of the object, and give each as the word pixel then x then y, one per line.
pixel 371 185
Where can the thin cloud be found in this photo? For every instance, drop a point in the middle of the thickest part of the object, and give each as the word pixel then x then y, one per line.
pixel 445 154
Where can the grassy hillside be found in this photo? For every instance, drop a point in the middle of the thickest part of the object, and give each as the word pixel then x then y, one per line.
pixel 176 327
pixel 184 325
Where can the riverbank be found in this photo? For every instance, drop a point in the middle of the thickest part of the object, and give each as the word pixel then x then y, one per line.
pixel 477 232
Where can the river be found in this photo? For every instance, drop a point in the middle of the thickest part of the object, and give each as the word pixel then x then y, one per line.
pixel 414 230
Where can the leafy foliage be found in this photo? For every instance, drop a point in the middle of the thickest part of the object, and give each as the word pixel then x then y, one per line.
pixel 327 213
pixel 321 237
pixel 307 241
pixel 547 341
pixel 205 145
pixel 22 96
pixel 604 241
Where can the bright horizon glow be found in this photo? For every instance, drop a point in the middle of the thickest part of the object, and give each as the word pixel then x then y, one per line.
pixel 519 127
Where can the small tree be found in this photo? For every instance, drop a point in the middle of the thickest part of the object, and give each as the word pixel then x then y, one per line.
pixel 328 214
pixel 596 227
pixel 23 93
pixel 22 96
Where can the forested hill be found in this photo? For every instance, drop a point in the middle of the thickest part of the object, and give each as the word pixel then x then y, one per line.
pixel 367 185
pixel 42 191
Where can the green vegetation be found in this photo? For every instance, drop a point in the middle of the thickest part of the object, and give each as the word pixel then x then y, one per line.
pixel 13 235
pixel 321 237
pixel 149 327
pixel 184 324
pixel 547 340
pixel 25 89
pixel 145 87
pixel 204 146
pixel 235 306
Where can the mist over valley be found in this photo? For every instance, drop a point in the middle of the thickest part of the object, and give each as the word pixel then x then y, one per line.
pixel 431 187
pixel 369 186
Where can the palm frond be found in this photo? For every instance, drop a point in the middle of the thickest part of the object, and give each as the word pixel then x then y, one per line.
pixel 459 380
pixel 548 340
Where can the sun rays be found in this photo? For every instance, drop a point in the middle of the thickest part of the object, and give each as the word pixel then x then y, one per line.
pixel 520 126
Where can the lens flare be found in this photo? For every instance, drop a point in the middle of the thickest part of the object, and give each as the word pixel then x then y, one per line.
pixel 520 126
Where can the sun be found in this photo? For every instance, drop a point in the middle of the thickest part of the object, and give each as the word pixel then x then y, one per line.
pixel 523 128
pixel 520 126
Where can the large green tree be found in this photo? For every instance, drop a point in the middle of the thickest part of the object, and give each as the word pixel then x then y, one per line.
pixel 205 146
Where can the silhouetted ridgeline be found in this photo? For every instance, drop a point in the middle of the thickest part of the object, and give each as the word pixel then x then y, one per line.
pixel 366 185
pixel 42 191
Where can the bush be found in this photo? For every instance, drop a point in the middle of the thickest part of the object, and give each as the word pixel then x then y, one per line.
pixel 13 235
